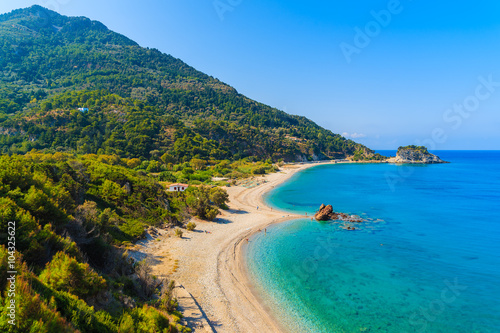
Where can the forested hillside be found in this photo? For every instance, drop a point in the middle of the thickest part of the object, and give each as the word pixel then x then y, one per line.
pixel 139 100
pixel 70 215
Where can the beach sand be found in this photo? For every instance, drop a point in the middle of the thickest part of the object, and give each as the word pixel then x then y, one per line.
pixel 214 291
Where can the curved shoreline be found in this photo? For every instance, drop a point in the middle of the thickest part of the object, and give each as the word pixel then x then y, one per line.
pixel 216 293
pixel 232 258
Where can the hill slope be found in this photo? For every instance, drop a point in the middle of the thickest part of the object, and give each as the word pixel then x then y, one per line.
pixel 141 102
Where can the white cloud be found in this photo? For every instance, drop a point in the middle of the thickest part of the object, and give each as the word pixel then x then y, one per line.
pixel 357 135
pixel 353 135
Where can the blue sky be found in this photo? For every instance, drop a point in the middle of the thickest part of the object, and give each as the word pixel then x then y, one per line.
pixel 385 73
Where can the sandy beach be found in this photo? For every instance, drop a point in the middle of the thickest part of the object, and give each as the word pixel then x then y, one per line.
pixel 207 264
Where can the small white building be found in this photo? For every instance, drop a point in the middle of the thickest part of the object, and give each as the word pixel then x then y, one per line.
pixel 177 187
pixel 83 109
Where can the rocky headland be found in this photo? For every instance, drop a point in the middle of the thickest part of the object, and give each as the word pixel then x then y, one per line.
pixel 415 154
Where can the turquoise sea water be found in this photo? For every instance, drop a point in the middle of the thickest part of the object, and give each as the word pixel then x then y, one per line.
pixel 427 261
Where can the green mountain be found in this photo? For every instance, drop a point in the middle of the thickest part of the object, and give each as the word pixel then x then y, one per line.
pixel 135 102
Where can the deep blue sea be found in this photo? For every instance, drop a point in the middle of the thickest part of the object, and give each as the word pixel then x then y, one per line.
pixel 427 260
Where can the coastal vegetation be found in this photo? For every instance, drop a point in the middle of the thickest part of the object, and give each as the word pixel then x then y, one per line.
pixel 421 149
pixel 73 217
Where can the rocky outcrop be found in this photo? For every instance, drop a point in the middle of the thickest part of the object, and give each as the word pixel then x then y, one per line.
pixel 415 154
pixel 326 213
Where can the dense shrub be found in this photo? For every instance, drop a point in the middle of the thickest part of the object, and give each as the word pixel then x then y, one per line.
pixel 178 232
pixel 64 273
pixel 203 201
pixel 33 314
pixel 219 197
pixel 190 226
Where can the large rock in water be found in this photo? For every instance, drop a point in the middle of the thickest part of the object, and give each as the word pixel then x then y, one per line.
pixel 324 213
pixel 415 154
